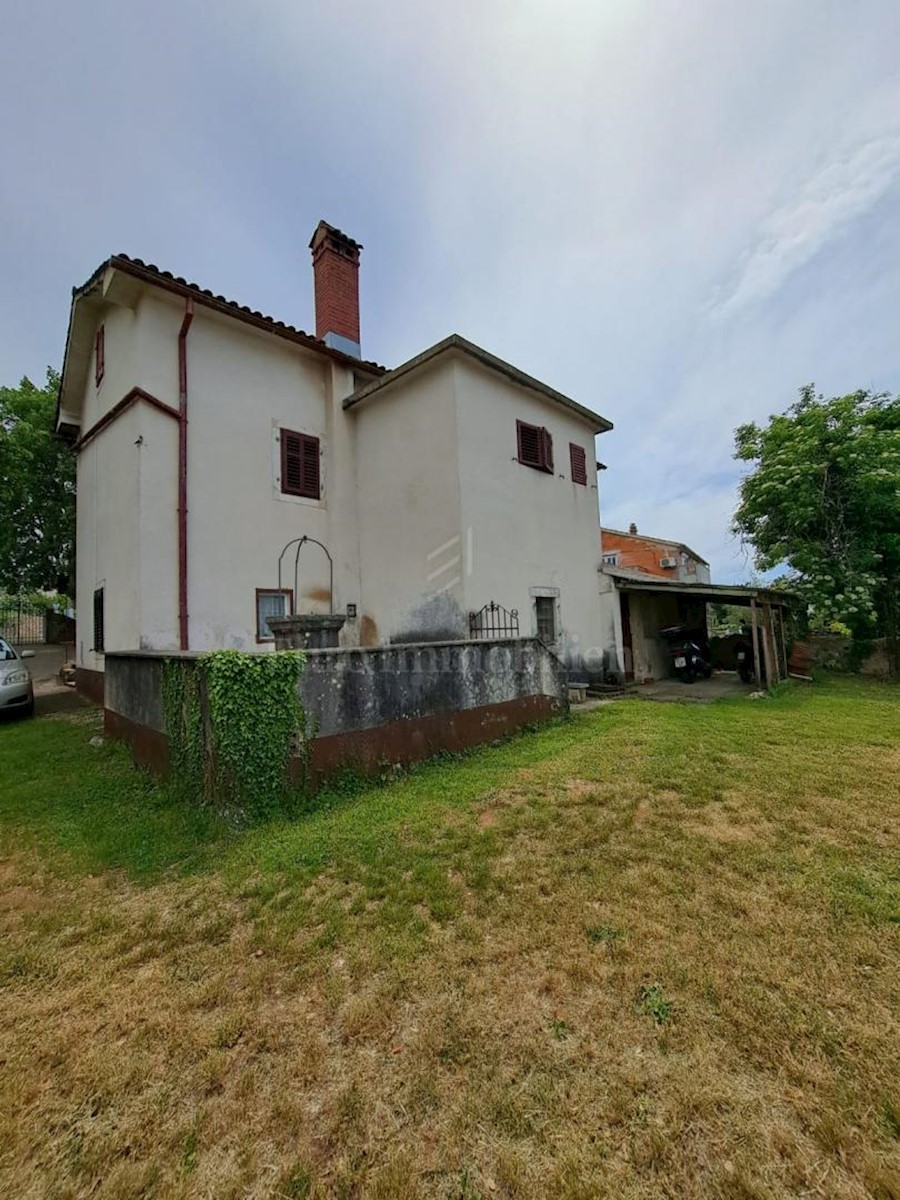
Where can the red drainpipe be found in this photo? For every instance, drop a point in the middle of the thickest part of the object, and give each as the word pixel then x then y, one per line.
pixel 182 475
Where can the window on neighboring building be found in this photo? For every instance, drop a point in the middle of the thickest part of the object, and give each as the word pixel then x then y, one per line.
pixel 545 612
pixel 99 355
pixel 535 446
pixel 99 633
pixel 578 463
pixel 300 464
pixel 610 560
pixel 271 603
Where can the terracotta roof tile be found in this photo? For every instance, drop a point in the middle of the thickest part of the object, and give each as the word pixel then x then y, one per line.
pixel 177 283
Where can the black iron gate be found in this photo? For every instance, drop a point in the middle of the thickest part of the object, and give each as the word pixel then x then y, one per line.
pixel 494 621
pixel 21 621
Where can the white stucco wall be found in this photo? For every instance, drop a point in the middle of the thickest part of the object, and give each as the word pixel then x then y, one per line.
pixel 244 387
pixel 107 507
pixel 611 625
pixel 528 532
pixel 409 511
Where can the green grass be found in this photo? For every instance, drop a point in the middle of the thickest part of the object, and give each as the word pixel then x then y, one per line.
pixel 650 951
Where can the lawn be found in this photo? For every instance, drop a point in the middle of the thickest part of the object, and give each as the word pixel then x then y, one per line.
pixel 653 951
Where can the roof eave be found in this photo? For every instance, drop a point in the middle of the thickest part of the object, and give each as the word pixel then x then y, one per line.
pixel 178 286
pixel 714 590
pixel 462 345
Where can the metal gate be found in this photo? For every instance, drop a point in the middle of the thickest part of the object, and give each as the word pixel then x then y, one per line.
pixel 22 621
pixel 494 621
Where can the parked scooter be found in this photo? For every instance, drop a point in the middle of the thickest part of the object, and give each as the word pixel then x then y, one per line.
pixel 688 657
pixel 746 658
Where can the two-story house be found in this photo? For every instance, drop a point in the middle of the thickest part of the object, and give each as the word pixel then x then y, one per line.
pixel 209 437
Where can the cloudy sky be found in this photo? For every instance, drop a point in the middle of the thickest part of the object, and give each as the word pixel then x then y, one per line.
pixel 676 211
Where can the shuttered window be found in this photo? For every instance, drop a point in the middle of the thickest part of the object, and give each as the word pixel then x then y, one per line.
pixel 545 614
pixel 300 464
pixel 535 446
pixel 578 462
pixel 99 355
pixel 98 621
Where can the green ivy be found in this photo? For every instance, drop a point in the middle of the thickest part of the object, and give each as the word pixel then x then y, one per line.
pixel 234 721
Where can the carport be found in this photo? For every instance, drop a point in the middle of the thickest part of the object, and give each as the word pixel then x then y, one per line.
pixel 643 604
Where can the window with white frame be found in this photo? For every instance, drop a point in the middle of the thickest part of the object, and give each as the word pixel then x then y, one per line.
pixel 611 559
pixel 271 603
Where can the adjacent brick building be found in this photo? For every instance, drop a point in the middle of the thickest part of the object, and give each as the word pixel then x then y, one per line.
pixel 653 556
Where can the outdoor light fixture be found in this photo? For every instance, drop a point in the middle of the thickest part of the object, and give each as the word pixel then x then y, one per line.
pixel 351 610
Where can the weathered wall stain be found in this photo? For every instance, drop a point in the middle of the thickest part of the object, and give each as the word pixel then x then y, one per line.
pixel 318 593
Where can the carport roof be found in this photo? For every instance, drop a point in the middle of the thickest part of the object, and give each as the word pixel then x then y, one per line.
pixel 716 593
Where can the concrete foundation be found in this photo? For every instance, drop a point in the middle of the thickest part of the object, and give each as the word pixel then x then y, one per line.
pixel 365 708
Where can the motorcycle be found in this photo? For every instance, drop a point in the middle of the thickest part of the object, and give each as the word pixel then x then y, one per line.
pixel 688 658
pixel 746 659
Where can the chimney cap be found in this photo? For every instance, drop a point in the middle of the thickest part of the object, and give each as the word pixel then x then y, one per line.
pixel 632 528
pixel 323 230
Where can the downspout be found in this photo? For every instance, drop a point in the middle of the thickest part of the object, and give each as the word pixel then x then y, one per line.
pixel 182 475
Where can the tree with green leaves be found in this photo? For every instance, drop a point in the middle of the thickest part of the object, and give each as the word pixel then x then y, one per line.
pixel 37 491
pixel 823 498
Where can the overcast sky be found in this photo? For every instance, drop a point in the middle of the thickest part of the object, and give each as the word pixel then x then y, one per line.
pixel 677 211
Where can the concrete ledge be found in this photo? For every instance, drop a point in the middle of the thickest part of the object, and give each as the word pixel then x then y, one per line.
pixel 90 684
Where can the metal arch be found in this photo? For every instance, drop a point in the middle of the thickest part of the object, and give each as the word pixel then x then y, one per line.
pixel 299 543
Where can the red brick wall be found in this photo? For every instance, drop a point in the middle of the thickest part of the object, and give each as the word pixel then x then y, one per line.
pixel 641 552
pixel 337 294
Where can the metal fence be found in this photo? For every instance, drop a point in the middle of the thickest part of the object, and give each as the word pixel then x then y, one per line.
pixel 22 621
pixel 494 621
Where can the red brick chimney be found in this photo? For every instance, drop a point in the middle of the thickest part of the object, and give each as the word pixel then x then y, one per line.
pixel 336 279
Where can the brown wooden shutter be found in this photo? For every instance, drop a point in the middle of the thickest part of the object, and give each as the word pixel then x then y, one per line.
pixel 99 355
pixel 300 464
pixel 546 450
pixel 529 443
pixel 578 462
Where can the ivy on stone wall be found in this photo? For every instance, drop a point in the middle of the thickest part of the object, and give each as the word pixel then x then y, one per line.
pixel 234 720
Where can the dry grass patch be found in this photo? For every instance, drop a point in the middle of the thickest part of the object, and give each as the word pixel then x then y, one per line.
pixel 649 953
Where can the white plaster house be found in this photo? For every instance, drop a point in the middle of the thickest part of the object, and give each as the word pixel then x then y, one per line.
pixel 209 436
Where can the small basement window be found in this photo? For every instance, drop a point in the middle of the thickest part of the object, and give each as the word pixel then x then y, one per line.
pixel 535 446
pixel 99 631
pixel 545 613
pixel 99 355
pixel 271 603
pixel 300 464
pixel 578 463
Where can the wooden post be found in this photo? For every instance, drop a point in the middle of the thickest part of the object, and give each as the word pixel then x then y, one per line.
pixel 784 653
pixel 768 655
pixel 754 634
pixel 776 657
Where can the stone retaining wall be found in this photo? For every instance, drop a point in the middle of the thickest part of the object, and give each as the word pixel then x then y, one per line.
pixel 367 708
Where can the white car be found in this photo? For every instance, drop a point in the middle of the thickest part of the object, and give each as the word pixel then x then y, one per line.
pixel 16 688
